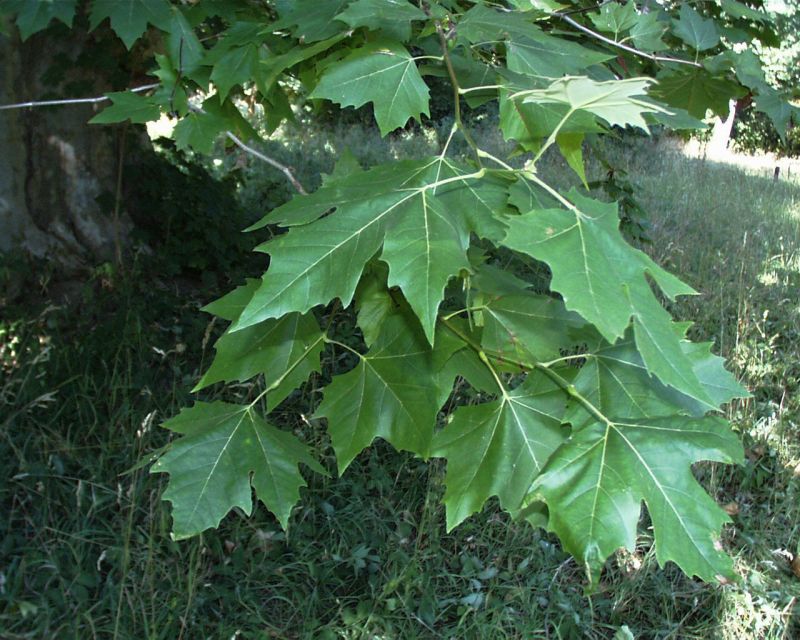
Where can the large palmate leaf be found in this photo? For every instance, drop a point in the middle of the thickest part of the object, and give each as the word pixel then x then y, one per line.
pixel 393 17
pixel 603 278
pixel 594 484
pixel 391 394
pixel 322 258
pixel 618 102
pixel 129 18
pixel 498 448
pixel 696 91
pixel 615 380
pixel 383 73
pixel 426 247
pixel 311 20
pixel 35 16
pixel 226 452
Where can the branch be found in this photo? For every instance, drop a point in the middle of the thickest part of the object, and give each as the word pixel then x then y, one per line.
pixel 147 87
pixel 54 103
pixel 625 47
pixel 273 163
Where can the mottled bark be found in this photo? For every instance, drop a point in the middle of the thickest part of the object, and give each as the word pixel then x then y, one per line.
pixel 58 175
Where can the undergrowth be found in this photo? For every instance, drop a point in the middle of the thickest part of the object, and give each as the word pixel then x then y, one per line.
pixel 84 542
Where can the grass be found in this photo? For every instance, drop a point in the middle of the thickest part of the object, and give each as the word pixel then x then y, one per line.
pixel 84 539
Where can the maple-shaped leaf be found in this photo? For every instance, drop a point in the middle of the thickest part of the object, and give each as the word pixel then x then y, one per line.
pixel 286 351
pixel 311 20
pixel 498 448
pixel 699 33
pixel 594 484
pixel 527 326
pixel 391 394
pixel 234 67
pixel 647 33
pixel 618 102
pixel 602 277
pixel 126 105
pixel 696 90
pixel 615 380
pixel 393 17
pixel 226 452
pixel 383 73
pixel 34 16
pixel 424 249
pixel 319 259
pixel 615 17
pixel 129 18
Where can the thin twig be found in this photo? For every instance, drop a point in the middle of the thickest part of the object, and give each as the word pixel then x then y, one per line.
pixel 273 163
pixel 147 87
pixel 54 103
pixel 625 47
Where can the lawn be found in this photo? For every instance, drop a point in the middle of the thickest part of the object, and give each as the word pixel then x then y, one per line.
pixel 85 550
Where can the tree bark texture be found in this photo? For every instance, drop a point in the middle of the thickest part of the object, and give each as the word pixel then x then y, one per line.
pixel 58 174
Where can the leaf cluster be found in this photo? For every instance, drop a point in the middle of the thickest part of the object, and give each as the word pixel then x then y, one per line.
pixel 595 401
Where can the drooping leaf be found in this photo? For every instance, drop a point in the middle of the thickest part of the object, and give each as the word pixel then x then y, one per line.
pixel 322 259
pixel 390 394
pixel 594 485
pixel 226 452
pixel 426 247
pixel 696 90
pixel 199 131
pixel 285 352
pixel 382 73
pixel 602 278
pixel 498 448
pixel 393 17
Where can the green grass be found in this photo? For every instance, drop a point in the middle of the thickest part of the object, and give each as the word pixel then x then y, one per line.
pixel 85 549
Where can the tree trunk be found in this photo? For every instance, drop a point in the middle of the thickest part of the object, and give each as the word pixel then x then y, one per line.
pixel 721 133
pixel 59 178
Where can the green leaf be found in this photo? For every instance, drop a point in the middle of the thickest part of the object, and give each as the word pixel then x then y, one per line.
pixel 571 147
pixel 594 485
pixel 314 263
pixel 697 32
pixel 602 278
pixel 646 33
pixel 615 101
pixel 544 55
pixel 34 16
pixel 285 351
pixel 615 17
pixel 426 247
pixel 129 18
pixel 312 20
pixel 226 452
pixel 527 326
pixel 382 73
pixel 126 105
pixel 696 90
pixel 498 448
pixel 615 380
pixel 199 131
pixel 183 46
pixel 779 110
pixel 230 306
pixel 740 10
pixel 393 17
pixel 391 394
pixel 373 301
pixel 234 68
